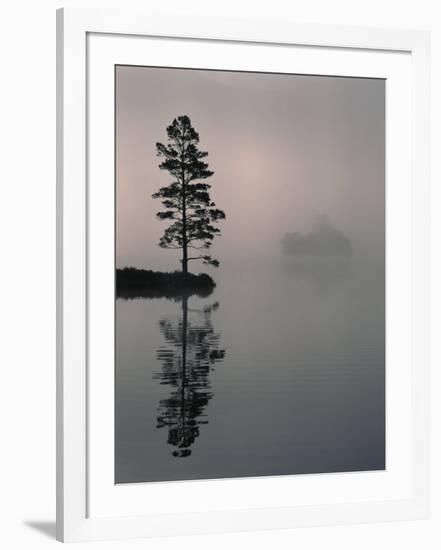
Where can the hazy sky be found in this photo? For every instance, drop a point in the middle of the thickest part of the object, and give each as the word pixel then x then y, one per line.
pixel 285 150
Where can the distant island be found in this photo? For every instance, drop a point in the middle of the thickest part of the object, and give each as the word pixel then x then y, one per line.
pixel 324 240
pixel 141 283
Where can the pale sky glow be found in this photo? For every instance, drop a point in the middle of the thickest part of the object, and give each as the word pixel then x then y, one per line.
pixel 285 149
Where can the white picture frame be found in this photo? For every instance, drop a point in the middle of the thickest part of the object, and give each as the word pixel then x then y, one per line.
pixel 77 403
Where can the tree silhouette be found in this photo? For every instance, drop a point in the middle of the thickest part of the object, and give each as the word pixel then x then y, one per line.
pixel 186 199
pixel 192 351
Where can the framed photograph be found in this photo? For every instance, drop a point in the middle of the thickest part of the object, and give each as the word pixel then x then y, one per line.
pixel 242 275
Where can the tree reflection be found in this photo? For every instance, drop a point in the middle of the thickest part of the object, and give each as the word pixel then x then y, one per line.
pixel 191 353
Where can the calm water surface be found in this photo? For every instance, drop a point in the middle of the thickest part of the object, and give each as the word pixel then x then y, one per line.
pixel 279 371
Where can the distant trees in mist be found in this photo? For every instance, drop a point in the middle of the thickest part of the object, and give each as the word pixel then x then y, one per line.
pixel 323 240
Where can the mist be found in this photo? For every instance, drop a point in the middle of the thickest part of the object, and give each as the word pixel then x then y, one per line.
pixel 285 149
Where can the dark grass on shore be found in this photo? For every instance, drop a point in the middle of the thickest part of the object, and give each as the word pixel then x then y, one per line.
pixel 141 283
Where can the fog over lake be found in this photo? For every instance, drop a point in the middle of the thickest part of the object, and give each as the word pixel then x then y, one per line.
pixel 280 369
pixel 285 150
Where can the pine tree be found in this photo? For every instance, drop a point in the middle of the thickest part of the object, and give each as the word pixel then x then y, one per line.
pixel 186 199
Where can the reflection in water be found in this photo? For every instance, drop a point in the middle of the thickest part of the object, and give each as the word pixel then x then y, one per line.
pixel 301 387
pixel 191 352
pixel 323 275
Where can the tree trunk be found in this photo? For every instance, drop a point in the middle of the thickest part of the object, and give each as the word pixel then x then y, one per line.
pixel 184 220
pixel 184 240
pixel 184 259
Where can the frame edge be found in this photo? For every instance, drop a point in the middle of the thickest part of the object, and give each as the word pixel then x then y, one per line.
pixel 72 524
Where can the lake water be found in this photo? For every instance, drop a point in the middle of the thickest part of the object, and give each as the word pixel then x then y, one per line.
pixel 280 370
